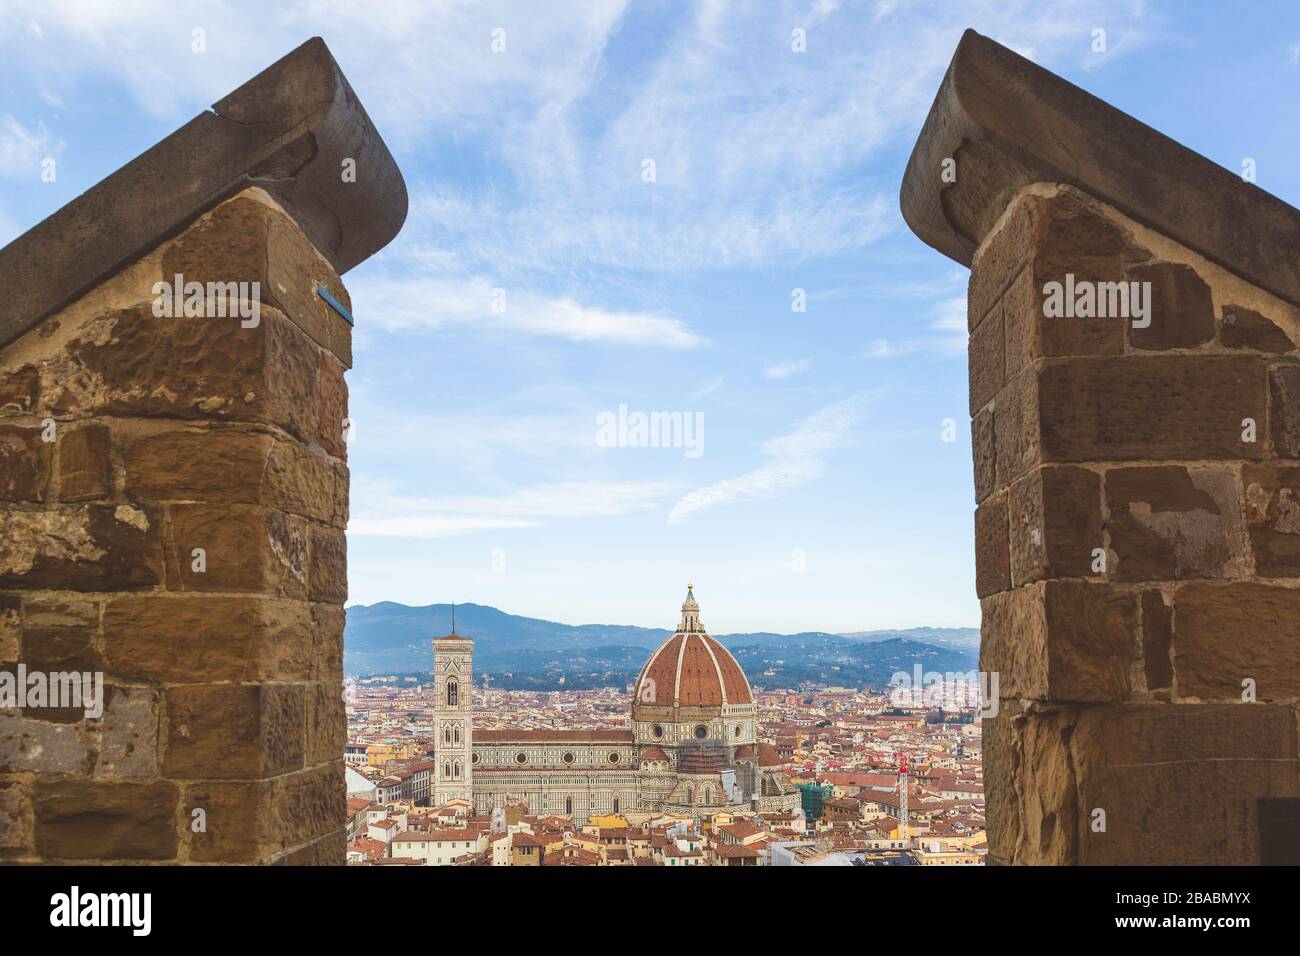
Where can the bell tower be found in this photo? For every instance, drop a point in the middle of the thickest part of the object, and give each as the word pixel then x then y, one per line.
pixel 453 662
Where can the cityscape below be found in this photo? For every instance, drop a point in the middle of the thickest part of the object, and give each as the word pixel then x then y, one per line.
pixel 686 765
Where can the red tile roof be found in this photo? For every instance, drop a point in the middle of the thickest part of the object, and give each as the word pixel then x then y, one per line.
pixel 693 670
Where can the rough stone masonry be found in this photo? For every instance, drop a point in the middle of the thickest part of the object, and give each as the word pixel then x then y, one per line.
pixel 1137 529
pixel 174 489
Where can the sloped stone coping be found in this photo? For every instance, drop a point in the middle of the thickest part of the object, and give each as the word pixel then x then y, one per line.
pixel 1007 123
pixel 289 130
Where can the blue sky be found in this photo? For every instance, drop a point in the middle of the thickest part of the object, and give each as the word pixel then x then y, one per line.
pixel 824 497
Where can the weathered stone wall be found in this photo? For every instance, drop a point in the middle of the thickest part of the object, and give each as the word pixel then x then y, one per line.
pixel 222 684
pixel 1138 546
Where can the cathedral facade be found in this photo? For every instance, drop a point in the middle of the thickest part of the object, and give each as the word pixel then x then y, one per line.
pixel 690 746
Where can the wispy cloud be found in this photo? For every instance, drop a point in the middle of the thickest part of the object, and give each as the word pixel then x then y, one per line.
pixel 706 389
pixel 947 320
pixel 792 460
pixel 786 369
pixel 395 515
pixel 416 303
pixel 23 149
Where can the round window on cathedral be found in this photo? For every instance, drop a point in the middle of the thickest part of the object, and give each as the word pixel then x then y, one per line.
pixel 614 758
pixel 474 759
pixel 521 757
pixel 657 732
pixel 701 732
pixel 568 756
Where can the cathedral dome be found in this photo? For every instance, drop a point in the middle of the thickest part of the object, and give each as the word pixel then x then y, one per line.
pixel 691 669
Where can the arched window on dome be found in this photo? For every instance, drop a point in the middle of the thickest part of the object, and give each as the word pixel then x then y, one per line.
pixel 708 796
pixel 690 795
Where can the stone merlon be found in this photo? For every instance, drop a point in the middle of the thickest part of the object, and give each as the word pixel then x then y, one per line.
pixel 288 130
pixel 1008 123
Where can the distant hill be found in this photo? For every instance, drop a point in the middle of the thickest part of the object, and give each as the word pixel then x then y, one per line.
pixel 966 637
pixel 525 652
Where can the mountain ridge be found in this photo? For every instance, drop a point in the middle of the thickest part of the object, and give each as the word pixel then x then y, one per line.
pixel 525 652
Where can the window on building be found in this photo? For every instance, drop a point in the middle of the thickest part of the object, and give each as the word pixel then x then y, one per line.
pixel 616 804
pixel 568 806
pixel 453 693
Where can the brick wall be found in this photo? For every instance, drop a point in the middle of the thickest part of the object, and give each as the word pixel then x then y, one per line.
pixel 1137 545
pixel 128 441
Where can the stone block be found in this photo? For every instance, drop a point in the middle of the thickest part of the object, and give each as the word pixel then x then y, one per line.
pixel 1031 805
pixel 1284 410
pixel 985 361
pixel 96 547
pixel 333 390
pixel 1150 407
pixel 131 363
pixel 1157 636
pixel 985 454
pixel 329 565
pixel 245 548
pixel 1273 517
pixel 85 471
pixel 997 262
pixel 1016 430
pixel 992 560
pixel 1182 310
pixel 1154 767
pixel 89 820
pixel 327 631
pixel 198 464
pixel 197 639
pixel 126 737
pixel 329 850
pixel 246 240
pixel 20 390
pixel 309 805
pixel 303 481
pixel 28 745
pixel 59 635
pixel 1224 634
pixel 1065 641
pixel 16 823
pixel 233 731
pixel 1244 328
pixel 1149 767
pixel 1172 523
pixel 1055 523
pixel 10 628
pixel 327 723
pixel 25 464
pixel 237 821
